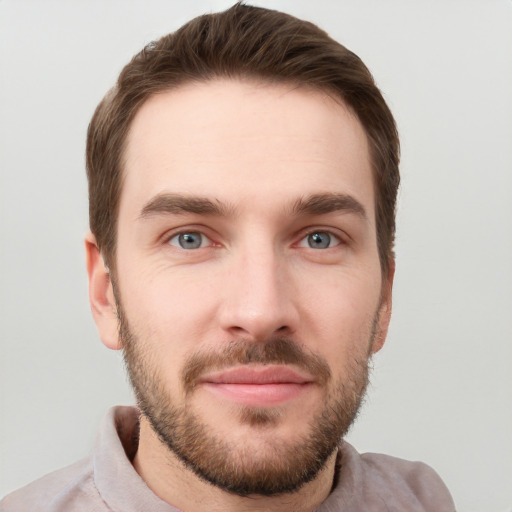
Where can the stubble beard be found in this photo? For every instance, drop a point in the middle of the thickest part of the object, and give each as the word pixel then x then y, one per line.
pixel 286 465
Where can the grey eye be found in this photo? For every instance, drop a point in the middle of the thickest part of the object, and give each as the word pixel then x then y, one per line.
pixel 192 240
pixel 320 240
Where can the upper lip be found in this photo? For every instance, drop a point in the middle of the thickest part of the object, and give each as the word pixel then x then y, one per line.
pixel 260 374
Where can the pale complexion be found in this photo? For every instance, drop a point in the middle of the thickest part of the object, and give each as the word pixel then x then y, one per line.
pixel 254 159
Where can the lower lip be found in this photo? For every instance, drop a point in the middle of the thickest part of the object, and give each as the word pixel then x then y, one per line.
pixel 258 395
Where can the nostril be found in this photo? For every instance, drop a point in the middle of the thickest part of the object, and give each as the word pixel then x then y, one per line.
pixel 285 330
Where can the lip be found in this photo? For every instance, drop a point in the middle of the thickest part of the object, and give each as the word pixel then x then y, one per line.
pixel 258 386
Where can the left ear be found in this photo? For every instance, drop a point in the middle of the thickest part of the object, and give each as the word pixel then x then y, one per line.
pixel 384 314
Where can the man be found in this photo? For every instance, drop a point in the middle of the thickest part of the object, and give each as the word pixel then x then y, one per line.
pixel 242 182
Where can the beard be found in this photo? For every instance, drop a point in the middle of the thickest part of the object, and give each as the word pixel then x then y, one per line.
pixel 283 466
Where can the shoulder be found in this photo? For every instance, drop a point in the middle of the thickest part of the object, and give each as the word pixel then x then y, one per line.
pixel 372 481
pixel 413 481
pixel 69 488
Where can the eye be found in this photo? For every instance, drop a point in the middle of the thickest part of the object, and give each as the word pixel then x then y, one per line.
pixel 320 240
pixel 189 240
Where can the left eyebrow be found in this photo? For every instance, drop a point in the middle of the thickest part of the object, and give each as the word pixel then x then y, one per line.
pixel 321 204
pixel 179 204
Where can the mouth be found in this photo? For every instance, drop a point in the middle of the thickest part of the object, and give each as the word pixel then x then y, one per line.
pixel 259 385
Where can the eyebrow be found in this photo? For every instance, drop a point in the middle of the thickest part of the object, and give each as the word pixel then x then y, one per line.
pixel 321 204
pixel 315 204
pixel 179 204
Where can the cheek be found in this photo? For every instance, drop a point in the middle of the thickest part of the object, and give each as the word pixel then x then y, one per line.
pixel 341 310
pixel 171 309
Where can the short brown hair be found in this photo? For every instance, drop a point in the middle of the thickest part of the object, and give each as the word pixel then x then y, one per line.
pixel 242 42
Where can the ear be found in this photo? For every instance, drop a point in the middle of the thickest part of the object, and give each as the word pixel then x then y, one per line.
pixel 101 295
pixel 384 313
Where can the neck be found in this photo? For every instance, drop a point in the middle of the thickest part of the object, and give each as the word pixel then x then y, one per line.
pixel 172 482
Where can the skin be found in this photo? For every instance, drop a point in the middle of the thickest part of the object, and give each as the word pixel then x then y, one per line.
pixel 257 150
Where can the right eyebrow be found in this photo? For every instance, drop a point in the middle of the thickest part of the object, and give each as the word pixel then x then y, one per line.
pixel 180 204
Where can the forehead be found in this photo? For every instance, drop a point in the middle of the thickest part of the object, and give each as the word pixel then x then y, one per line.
pixel 238 141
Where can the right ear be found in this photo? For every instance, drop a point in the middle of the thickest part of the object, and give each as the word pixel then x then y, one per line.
pixel 101 295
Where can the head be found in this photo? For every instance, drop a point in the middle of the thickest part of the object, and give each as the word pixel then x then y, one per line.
pixel 243 42
pixel 242 183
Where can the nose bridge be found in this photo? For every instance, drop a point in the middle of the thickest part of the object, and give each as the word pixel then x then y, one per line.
pixel 258 300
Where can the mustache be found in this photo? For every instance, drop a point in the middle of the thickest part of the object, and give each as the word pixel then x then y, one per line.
pixel 243 352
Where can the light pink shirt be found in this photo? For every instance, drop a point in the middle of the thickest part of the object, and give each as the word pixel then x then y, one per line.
pixel 106 481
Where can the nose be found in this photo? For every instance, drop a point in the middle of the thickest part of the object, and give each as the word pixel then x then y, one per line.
pixel 259 298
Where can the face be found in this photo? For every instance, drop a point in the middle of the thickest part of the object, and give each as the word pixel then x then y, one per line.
pixel 248 281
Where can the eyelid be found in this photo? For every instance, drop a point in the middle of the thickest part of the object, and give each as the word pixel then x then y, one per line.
pixel 202 230
pixel 338 234
pixel 341 236
pixel 334 240
pixel 205 241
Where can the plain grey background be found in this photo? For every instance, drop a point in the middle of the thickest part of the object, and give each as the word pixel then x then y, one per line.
pixel 442 386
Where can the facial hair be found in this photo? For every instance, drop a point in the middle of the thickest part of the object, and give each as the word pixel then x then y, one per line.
pixel 287 464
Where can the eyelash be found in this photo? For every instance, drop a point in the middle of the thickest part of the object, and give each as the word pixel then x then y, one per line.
pixel 188 232
pixel 341 240
pixel 327 232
